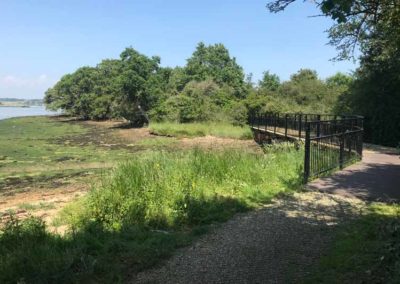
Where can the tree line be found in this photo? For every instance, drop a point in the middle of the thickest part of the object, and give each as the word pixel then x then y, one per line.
pixel 212 86
pixel 373 28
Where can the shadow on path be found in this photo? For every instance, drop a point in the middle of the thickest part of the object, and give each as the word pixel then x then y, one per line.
pixel 376 178
pixel 277 244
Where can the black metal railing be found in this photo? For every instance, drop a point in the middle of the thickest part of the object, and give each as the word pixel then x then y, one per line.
pixel 331 141
pixel 293 125
pixel 332 144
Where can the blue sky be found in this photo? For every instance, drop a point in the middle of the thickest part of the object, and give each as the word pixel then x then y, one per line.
pixel 42 40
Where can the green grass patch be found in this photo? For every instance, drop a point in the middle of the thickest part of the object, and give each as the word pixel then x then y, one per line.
pixel 143 210
pixel 223 130
pixel 366 250
pixel 37 206
pixel 33 148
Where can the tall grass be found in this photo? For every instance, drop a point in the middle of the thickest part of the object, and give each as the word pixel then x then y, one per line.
pixel 164 190
pixel 143 210
pixel 224 130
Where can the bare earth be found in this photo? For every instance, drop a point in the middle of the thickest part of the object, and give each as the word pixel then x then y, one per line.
pixel 281 242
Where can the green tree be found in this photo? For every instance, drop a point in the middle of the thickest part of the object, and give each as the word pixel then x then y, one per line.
pixel 214 62
pixel 374 27
pixel 269 81
pixel 73 92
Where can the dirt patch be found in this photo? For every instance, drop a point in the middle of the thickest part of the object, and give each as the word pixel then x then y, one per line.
pixel 10 185
pixel 44 203
pixel 211 142
pixel 110 134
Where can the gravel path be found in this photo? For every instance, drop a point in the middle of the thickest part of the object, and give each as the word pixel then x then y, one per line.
pixel 276 244
pixel 376 178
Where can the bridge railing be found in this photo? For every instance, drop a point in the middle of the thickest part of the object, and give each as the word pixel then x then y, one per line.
pixel 331 141
pixel 332 144
pixel 293 125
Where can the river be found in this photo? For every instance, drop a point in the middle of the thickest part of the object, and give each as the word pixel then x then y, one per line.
pixel 7 112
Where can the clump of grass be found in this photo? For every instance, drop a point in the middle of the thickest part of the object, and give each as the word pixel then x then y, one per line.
pixel 367 249
pixel 37 206
pixel 142 211
pixel 223 130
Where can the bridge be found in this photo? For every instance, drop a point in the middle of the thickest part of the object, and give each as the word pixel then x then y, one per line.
pixel 330 141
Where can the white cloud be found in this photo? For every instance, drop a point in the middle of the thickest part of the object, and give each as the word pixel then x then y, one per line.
pixel 14 81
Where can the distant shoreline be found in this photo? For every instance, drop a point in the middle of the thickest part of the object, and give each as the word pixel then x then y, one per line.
pixel 11 102
pixel 19 106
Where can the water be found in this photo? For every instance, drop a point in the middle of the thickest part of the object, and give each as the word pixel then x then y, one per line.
pixel 7 112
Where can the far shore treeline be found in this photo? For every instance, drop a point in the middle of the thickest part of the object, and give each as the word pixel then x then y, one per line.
pixel 212 86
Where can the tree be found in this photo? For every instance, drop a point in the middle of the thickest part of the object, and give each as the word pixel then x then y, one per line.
pixel 374 27
pixel 73 92
pixel 214 62
pixel 358 22
pixel 304 75
pixel 339 80
pixel 269 81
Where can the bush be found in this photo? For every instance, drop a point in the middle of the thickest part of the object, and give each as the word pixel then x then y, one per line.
pixel 238 114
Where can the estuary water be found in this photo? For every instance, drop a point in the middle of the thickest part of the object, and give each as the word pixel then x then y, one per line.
pixel 8 112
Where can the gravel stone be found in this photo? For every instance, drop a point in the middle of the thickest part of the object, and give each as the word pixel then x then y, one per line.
pixel 276 244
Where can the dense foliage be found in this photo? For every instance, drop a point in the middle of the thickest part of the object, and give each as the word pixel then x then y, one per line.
pixel 210 87
pixel 374 28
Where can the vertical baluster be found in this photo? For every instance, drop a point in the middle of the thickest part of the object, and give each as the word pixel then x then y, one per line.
pixel 286 124
pixel 307 155
pixel 300 125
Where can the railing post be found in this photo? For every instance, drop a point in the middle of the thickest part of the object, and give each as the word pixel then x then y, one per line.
pixel 318 125
pixel 300 126
pixel 307 154
pixel 266 122
pixel 334 124
pixel 276 122
pixel 341 150
pixel 286 124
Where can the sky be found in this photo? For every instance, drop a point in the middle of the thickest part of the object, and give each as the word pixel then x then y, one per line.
pixel 40 41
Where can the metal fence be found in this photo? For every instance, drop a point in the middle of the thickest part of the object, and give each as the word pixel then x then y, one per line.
pixel 331 141
pixel 293 125
pixel 332 144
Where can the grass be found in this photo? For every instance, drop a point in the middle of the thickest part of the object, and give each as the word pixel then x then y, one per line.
pixel 143 210
pixel 38 206
pixel 365 251
pixel 37 150
pixel 160 141
pixel 223 130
